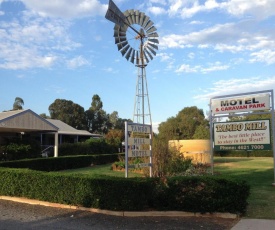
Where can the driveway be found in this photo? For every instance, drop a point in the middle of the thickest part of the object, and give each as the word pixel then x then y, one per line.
pixel 14 215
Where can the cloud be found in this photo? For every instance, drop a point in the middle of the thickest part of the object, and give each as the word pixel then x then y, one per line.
pixel 259 9
pixel 234 86
pixel 156 10
pixel 77 62
pixel 267 56
pixel 186 68
pixel 66 8
pixel 33 42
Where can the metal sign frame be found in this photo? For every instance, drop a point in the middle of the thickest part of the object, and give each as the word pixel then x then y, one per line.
pixel 138 128
pixel 213 116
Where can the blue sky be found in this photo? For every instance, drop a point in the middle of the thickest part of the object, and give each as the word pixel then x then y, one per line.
pixel 65 50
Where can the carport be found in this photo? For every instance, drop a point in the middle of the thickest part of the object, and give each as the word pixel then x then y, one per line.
pixel 26 121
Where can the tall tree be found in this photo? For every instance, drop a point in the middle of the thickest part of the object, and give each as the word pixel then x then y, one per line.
pixel 68 112
pixel 18 103
pixel 184 125
pixel 96 117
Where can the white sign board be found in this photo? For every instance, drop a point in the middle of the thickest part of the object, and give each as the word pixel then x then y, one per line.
pixel 242 135
pixel 240 104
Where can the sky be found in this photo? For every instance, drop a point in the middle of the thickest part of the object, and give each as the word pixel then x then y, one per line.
pixel 65 49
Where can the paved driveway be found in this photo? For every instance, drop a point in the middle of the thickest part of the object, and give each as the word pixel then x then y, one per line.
pixel 21 216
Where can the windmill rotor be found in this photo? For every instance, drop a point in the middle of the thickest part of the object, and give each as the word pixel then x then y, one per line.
pixel 146 34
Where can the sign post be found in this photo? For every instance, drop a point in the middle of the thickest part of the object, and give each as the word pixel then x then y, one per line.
pixel 242 135
pixel 138 143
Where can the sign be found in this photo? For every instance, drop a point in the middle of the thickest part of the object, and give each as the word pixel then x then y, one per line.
pixel 114 14
pixel 138 141
pixel 139 128
pixel 242 135
pixel 240 104
pixel 139 153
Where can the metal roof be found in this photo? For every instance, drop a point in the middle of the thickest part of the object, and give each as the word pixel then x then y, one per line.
pixel 24 121
pixel 28 121
pixel 69 130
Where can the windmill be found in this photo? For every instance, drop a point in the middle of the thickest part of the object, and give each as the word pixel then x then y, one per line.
pixel 133 27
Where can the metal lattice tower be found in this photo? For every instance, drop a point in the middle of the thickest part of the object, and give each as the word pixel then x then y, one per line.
pixel 142 112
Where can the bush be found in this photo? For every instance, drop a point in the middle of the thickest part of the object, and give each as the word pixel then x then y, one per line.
pixel 193 194
pixel 90 147
pixel 60 163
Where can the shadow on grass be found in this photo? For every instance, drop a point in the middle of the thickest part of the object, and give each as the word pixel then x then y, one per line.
pixel 231 159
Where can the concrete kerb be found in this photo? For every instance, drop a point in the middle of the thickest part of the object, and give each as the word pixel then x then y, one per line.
pixel 121 213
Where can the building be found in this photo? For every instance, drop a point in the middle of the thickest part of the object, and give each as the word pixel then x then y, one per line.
pixel 50 132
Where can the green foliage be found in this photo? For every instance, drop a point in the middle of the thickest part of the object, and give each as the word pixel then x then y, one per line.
pixel 202 132
pixel 90 146
pixel 61 163
pixel 115 137
pixel 18 103
pixel 168 161
pixel 19 148
pixel 184 125
pixel 195 194
pixel 68 112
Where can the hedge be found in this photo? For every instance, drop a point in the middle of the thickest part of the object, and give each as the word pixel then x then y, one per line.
pixel 192 194
pixel 61 163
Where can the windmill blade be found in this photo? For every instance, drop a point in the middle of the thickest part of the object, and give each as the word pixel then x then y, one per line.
pixel 153 40
pixel 124 50
pixel 133 57
pixel 150 55
pixel 151 50
pixel 121 45
pixel 141 18
pixel 152 45
pixel 116 27
pixel 148 25
pixel 132 16
pixel 146 19
pixel 120 39
pixel 137 17
pixel 153 35
pixel 128 17
pixel 118 33
pixel 151 30
pixel 137 58
pixel 127 56
pixel 147 60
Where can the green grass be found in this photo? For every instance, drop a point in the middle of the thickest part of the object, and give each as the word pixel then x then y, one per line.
pixel 101 170
pixel 259 173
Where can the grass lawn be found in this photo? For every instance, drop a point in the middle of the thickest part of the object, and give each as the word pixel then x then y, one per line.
pixel 101 170
pixel 259 173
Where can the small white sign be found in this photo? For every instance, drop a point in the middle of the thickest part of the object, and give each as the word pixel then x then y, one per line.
pixel 139 141
pixel 139 153
pixel 240 104
pixel 139 128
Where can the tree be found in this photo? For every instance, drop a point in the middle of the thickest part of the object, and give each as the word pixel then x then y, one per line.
pixel 18 103
pixel 114 137
pixel 44 115
pixel 184 125
pixel 68 112
pixel 96 117
pixel 202 132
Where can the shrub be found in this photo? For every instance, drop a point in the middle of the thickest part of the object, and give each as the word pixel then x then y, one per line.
pixel 193 194
pixel 60 163
pixel 90 147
